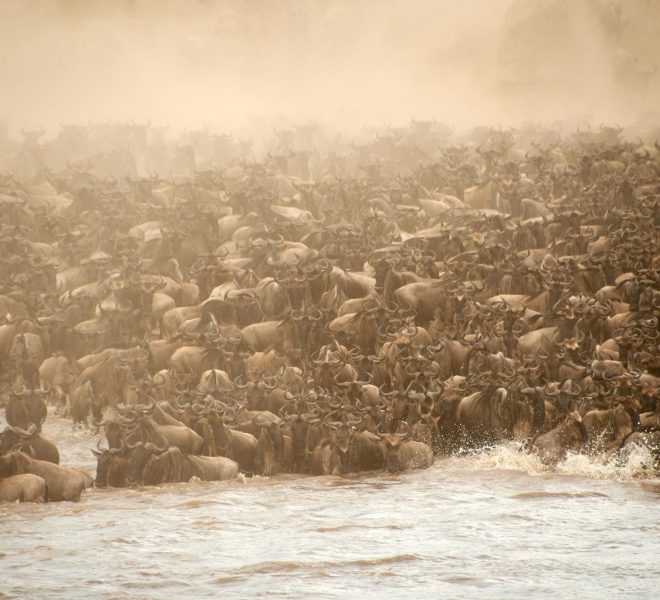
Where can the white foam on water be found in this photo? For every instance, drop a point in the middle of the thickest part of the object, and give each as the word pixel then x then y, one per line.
pixel 508 456
pixel 511 456
pixel 636 463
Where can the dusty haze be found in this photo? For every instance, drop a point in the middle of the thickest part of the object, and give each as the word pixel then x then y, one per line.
pixel 230 64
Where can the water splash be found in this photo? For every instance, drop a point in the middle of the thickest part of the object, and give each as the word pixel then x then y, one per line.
pixel 636 463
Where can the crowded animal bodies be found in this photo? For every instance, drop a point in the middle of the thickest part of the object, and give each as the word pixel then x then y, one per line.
pixel 331 307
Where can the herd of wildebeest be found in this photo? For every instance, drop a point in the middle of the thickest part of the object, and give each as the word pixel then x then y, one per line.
pixel 355 308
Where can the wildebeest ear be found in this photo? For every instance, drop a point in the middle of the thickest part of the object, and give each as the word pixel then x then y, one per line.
pixel 576 416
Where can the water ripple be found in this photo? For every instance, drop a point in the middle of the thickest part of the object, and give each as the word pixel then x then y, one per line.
pixel 495 523
pixel 270 567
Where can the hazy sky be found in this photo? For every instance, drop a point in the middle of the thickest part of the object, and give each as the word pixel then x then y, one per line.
pixel 349 62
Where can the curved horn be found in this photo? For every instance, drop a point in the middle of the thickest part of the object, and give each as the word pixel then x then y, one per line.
pixel 29 433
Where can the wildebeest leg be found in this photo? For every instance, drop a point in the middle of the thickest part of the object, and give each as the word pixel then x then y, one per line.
pixel 60 398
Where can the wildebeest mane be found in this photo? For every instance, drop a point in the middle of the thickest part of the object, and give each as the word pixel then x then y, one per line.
pixel 486 396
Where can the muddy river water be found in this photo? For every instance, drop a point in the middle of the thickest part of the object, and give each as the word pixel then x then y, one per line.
pixel 495 524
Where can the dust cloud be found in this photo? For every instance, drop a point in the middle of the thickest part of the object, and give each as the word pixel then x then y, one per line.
pixel 234 64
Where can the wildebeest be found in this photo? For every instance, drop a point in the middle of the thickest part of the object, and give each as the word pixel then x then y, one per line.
pixel 568 436
pixel 29 441
pixel 607 428
pixel 23 488
pixel 150 465
pixel 403 454
pixel 492 415
pixel 63 483
pixel 476 290
pixel 26 407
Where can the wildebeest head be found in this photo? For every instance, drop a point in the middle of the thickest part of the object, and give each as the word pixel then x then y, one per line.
pixel 536 396
pixel 26 407
pixel 114 432
pixel 382 266
pixel 15 438
pixel 343 438
pixel 140 454
pixel 298 329
pixel 392 447
pixel 111 466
